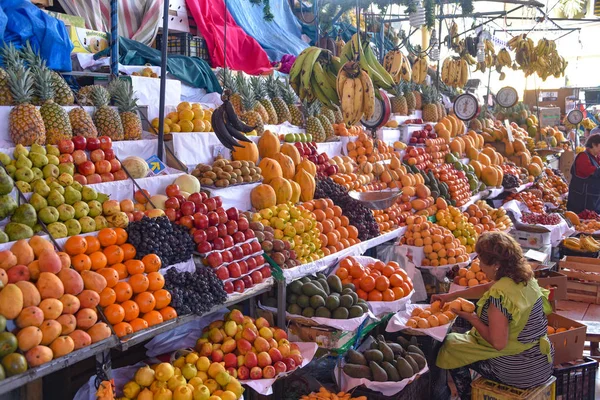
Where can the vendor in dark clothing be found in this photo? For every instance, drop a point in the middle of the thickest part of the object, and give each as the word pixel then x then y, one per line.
pixel 584 189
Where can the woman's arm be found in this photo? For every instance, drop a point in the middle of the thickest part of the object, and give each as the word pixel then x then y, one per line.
pixel 584 167
pixel 496 333
pixel 474 292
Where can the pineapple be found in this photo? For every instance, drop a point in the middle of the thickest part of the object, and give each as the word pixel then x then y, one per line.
pixel 56 119
pixel 296 117
pixel 325 122
pixel 328 112
pixel 339 118
pixel 313 124
pixel 81 123
pixel 25 123
pixel 398 102
pixel 229 83
pixel 84 95
pixel 417 93
pixel 250 117
pixel 261 95
pixel 11 58
pixel 430 112
pixel 62 92
pixel 411 101
pixel 122 92
pixel 274 92
pixel 106 119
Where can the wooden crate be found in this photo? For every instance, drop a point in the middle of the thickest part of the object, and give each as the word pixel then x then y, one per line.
pixel 583 275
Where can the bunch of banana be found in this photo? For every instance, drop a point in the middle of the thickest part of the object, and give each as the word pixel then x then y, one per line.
pixel 398 66
pixel 455 73
pixel 588 123
pixel 313 76
pixel 504 58
pixel 545 47
pixel 584 244
pixel 358 49
pixel 419 71
pixel 227 125
pixel 356 92
pixel 339 45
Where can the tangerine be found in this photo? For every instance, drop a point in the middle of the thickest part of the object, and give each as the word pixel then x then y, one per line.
pixel 107 297
pixel 375 295
pixel 163 298
pixel 107 237
pixel 81 262
pixel 398 292
pixel 121 236
pixel 138 324
pixel 132 310
pixel 153 318
pixel 123 329
pixel 168 313
pixel 114 254
pixel 134 267
pixel 388 270
pixel 111 275
pixel 389 295
pixel 121 270
pixel 75 245
pixel 114 313
pixel 129 251
pixel 356 271
pixel 157 281
pixel 139 283
pixel 342 273
pixel 362 294
pixel 99 260
pixel 123 291
pixel 382 283
pixel 396 280
pixel 367 283
pixel 93 244
pixel 151 262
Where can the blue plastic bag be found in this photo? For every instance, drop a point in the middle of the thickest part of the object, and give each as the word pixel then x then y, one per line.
pixel 22 21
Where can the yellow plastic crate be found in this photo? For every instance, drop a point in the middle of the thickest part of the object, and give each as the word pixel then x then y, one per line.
pixel 485 389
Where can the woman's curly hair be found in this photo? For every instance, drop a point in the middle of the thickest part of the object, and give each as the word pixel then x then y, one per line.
pixel 500 249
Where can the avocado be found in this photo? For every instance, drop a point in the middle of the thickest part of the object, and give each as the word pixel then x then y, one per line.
pixel 303 301
pixel 419 359
pixel 296 287
pixel 324 285
pixel 357 371
pixel 321 275
pixel 391 372
pixel 335 283
pixel 379 374
pixel 311 289
pixel 294 309
pixel 373 355
pixel 396 348
pixel 388 354
pixel 292 298
pixel 340 313
pixel 403 342
pixel 323 312
pixel 308 312
pixel 355 357
pixel 332 302
pixel 347 291
pixel 364 307
pixel 354 297
pixel 305 279
pixel 334 294
pixel 413 363
pixel 346 301
pixel 355 312
pixel 317 301
pixel 414 349
pixel 349 286
pixel 404 368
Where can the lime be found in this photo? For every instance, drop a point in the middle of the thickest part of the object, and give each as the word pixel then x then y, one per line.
pixel 14 364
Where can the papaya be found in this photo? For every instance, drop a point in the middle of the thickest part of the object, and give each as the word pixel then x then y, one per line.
pixel 263 196
pixel 489 175
pixel 270 169
pixel 572 217
pixel 268 144
pixel 537 160
pixel 292 152
pixel 519 146
pixel 248 152
pixel 307 185
pixel 288 169
pixel 295 192
pixel 307 166
pixel 282 188
pixel 509 149
pixel 484 160
pixel 534 169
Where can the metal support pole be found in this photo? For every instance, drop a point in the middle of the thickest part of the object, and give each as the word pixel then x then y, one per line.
pixel 281 294
pixel 114 38
pixel 437 71
pixel 163 82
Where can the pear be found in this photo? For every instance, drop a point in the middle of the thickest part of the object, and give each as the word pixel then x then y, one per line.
pixel 5 159
pixel 24 187
pixel 38 160
pixel 57 230
pixel 17 231
pixel 38 201
pixel 3 237
pixel 81 209
pixel 10 169
pixel 24 174
pixel 54 185
pixel 23 161
pixel 65 212
pixel 65 179
pixel 101 222
pixel 73 227
pixel 6 182
pixel 8 205
pixel 67 168
pixel 53 159
pixel 72 196
pixel 25 214
pixel 102 197
pixel 52 150
pixel 37 173
pixel 55 199
pixel 51 171
pixel 77 186
pixel 88 193
pixel 49 215
pixel 37 149
pixel 95 208
pixel 87 224
pixel 20 150
pixel 40 187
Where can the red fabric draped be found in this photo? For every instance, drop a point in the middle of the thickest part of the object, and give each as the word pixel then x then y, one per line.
pixel 243 52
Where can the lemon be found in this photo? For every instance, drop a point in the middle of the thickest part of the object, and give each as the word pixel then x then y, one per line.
pixel 131 389
pixel 184 106
pixel 202 364
pixel 186 126
pixel 198 113
pixel 199 125
pixel 175 128
pixel 155 122
pixel 186 115
pixel 207 126
pixel 173 116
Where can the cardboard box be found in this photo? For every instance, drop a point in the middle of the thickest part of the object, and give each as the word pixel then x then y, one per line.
pixel 531 240
pixel 485 389
pixel 323 336
pixel 178 22
pixel 555 280
pixel 568 345
pixel 549 116
pixel 69 20
pixel 565 162
pixel 87 40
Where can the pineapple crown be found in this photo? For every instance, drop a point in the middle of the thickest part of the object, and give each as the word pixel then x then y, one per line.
pixel 273 86
pixel 122 92
pixel 258 87
pixel 429 94
pixel 31 56
pixel 399 89
pixel 288 93
pixel 100 96
pixel 248 99
pixel 10 56
pixel 312 109
pixel 20 83
pixel 44 85
pixel 226 79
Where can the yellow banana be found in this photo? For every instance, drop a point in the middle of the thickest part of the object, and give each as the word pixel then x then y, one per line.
pixel 358 100
pixel 347 101
pixel 368 95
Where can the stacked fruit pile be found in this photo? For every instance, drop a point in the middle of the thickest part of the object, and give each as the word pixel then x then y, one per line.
pixel 438 149
pixel 540 219
pixel 52 305
pixel 498 215
pixel 439 244
pixel 326 394
pixel 512 176
pixel 533 203
pixel 188 118
pixel 365 149
pixel 585 244
pixel 376 281
pixel 224 173
pixel 418 157
pixel 189 377
pixel 460 226
pixel 343 130
pixel 458 184
pixel 325 297
pixel 392 217
pixel 279 250
pixel 471 276
pixel 385 361
pixel 435 315
pixel 421 136
pixel 195 293
pixel 589 226
pixel 298 137
pixel 249 349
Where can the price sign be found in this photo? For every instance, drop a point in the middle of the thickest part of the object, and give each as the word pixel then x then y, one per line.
pixel 508 131
pixel 155 164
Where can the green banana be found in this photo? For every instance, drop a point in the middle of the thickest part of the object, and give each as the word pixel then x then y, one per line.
pixel 307 69
pixel 318 92
pixel 385 76
pixel 322 80
pixel 335 65
pixel 296 69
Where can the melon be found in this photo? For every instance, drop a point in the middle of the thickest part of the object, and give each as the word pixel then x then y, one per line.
pixel 136 166
pixel 188 183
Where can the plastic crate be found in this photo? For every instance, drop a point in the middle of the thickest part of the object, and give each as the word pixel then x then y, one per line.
pixel 184 44
pixel 577 381
pixel 485 389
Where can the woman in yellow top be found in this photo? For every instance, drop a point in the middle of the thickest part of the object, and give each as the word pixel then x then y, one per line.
pixel 508 342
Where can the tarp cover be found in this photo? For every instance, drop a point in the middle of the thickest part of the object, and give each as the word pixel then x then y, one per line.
pixel 278 37
pixel 243 52
pixel 21 21
pixel 192 70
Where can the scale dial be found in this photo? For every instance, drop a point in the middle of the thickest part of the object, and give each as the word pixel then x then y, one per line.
pixel 381 113
pixel 507 97
pixel 575 116
pixel 466 107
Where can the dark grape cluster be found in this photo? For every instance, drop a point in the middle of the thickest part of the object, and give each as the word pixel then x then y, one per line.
pixel 510 181
pixel 171 242
pixel 358 214
pixel 194 293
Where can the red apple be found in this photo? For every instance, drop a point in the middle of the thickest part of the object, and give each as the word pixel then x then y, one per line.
pixel 242 224
pixel 65 159
pixel 86 168
pixel 222 229
pixel 237 253
pixel 80 178
pixel 103 167
pixel 218 201
pixel 115 165
pixel 232 227
pixel 107 177
pixel 141 196
pixel 249 234
pixel 79 142
pixel 290 364
pixel 97 155
pixel 109 155
pixel 232 214
pixel 172 190
pixel 279 366
pixel 239 286
pixel 239 237
pixel 92 144
pixel 243 267
pixel 247 248
pixel 222 217
pixel 260 260
pixel 228 241
pixel 171 214
pixel 269 372
pixel 204 247
pixel 248 281
pixel 79 157
pixel 211 204
pixel 265 272
pixel 187 221
pixel 188 208
pixel 228 287
pixel 234 270
pixel 254 247
pixel 218 244
pixel 120 175
pixel 172 202
pixel 256 277
pixel 201 221
pixel 105 142
pixel 214 259
pixel 243 372
pixel 251 263
pixel 200 207
pixel 66 146
pixel 212 233
pixel 226 256
pixel 213 218
pixel 138 215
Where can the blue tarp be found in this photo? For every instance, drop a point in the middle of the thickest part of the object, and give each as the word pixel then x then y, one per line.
pixel 22 21
pixel 278 37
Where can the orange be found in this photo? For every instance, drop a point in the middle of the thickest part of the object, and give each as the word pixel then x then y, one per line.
pixel 121 270
pixel 153 318
pixel 138 324
pixel 378 265
pixel 128 251
pixel 337 211
pixel 114 254
pixel 114 313
pixel 134 267
pixel 342 273
pixel 382 283
pixel 123 329
pixel 398 292
pixel 107 297
pixel 75 245
pixel 99 260
pixel 345 221
pixel 163 298
pixel 352 231
pixel 123 291
pixel 156 281
pixel 396 280
pixel 145 302
pixel 81 262
pixel 367 283
pixel 93 244
pixel 121 235
pixel 362 294
pixel 389 295
pixel 168 313
pixel 152 262
pixel 388 270
pixel 406 288
pixel 375 295
pixel 356 271
pixel 329 213
pixel 402 273
pixel 107 237
pixel 139 283
pixel 132 310
pixel 111 275
pixel 346 263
